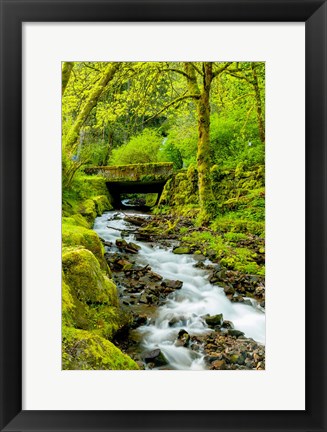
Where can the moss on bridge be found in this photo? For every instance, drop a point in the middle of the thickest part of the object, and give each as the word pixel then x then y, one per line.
pixel 145 173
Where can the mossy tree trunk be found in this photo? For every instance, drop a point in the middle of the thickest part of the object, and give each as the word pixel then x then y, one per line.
pixel 252 76
pixel 66 70
pixel 204 150
pixel 207 74
pixel 200 94
pixel 72 136
pixel 261 122
pixel 70 142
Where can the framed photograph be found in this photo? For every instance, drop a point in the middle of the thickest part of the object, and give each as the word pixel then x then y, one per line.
pixel 163 215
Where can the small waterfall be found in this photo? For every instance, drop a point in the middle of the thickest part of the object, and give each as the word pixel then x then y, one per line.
pixel 185 307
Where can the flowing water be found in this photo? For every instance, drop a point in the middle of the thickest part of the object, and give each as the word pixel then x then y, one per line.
pixel 186 306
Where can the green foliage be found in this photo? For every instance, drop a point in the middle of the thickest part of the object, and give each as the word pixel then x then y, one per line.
pixel 183 136
pixel 234 258
pixel 95 153
pixel 183 230
pixel 233 237
pixel 170 153
pixel 231 222
pixel 231 145
pixel 142 148
pixel 142 112
pixel 84 186
pixel 86 198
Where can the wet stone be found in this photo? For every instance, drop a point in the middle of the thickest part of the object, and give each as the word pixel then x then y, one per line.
pixel 227 324
pixel 236 333
pixel 155 358
pixel 214 320
pixel 173 284
pixel 218 365
pixel 183 338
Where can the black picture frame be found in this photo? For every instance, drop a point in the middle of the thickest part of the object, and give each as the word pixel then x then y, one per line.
pixel 13 14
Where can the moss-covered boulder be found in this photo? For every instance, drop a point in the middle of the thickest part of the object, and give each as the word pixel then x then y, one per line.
pixel 83 350
pixel 88 210
pixel 102 319
pixel 214 320
pixel 68 307
pixel 84 276
pixel 94 206
pixel 76 219
pixel 106 321
pixel 102 204
pixel 74 312
pixel 76 235
pixel 182 250
pixel 87 196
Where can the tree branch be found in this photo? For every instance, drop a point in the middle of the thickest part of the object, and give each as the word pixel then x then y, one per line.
pixel 196 68
pixel 221 69
pixel 177 71
pixel 91 67
pixel 67 68
pixel 234 74
pixel 175 101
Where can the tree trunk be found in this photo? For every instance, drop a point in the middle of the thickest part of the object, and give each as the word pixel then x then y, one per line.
pixel 66 70
pixel 261 123
pixel 72 137
pixel 203 154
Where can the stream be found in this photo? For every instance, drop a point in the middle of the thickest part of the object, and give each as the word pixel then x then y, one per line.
pixel 185 306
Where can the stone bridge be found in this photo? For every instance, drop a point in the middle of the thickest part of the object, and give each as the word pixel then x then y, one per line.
pixel 134 178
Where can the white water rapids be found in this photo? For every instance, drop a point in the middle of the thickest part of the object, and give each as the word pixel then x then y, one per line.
pixel 196 298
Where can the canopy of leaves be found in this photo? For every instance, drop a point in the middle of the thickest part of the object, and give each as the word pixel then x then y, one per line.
pixel 147 112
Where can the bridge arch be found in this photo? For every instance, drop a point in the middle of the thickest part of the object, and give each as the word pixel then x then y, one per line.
pixel 134 178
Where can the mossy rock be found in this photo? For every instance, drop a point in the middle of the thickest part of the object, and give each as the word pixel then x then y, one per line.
pixel 106 321
pixel 76 235
pixel 68 207
pixel 102 204
pixel 85 278
pixel 101 319
pixel 166 193
pixel 182 250
pixel 76 219
pixel 68 306
pixel 88 210
pixel 214 320
pixel 151 199
pixel 83 350
pixel 76 316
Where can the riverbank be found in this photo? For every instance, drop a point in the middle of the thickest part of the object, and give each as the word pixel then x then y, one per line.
pixel 237 258
pixel 91 312
pixel 177 322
